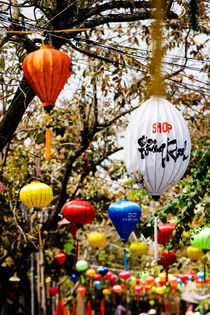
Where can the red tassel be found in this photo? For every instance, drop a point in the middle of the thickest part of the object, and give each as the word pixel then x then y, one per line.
pixel 48 143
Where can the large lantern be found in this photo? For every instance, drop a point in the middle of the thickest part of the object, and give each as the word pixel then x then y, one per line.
pixel 36 195
pixel 139 248
pixel 194 253
pixel 157 146
pixel 164 232
pixel 201 239
pixel 125 215
pixel 97 239
pixel 47 70
pixel 78 211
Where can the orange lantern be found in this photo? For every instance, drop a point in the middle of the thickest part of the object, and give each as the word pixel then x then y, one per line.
pixel 90 272
pixel 81 290
pixel 117 288
pixel 47 70
pixel 106 292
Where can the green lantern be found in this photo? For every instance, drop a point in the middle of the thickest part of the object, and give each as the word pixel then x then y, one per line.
pixel 81 265
pixel 201 239
pixel 68 247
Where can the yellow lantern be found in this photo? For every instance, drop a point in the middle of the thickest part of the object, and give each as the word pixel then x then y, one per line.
pixel 194 253
pixel 132 282
pixel 90 272
pixel 97 239
pixel 36 195
pixel 160 290
pixel 139 248
pixel 162 276
pixel 106 292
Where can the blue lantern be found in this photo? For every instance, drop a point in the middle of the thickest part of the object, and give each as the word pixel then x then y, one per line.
pixel 200 274
pixel 74 277
pixel 97 284
pixel 102 270
pixel 125 215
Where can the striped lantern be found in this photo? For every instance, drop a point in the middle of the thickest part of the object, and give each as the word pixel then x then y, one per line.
pixel 36 195
pixel 157 146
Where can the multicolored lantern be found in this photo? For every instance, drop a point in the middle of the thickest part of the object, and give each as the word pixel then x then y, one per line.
pixel 36 195
pixel 125 215
pixel 139 248
pixel 157 147
pixel 97 239
pixel 194 253
pixel 201 238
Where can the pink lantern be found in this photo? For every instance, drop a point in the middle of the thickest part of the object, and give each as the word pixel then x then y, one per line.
pixel 53 291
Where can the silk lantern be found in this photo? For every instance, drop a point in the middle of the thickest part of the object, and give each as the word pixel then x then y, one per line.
pixel 53 291
pixel 97 239
pixel 166 259
pixel 157 146
pixel 47 70
pixel 125 275
pixel 102 270
pixel 74 277
pixel 138 248
pixel 106 292
pixel 61 258
pixel 164 232
pixel 81 265
pixel 36 195
pixel 90 272
pixel 125 215
pixel 97 277
pixel 81 290
pixel 194 253
pixel 201 239
pixel 117 288
pixel 109 274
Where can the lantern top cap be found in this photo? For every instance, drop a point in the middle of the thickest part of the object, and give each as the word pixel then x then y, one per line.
pixel 47 47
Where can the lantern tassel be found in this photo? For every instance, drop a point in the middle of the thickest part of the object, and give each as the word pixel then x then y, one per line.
pixel 155 239
pixel 48 140
pixel 40 236
pixel 125 260
pixel 76 251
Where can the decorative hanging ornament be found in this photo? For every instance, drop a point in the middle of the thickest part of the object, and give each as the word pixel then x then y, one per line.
pixel 47 70
pixel 157 147
pixel 53 291
pixel 139 248
pixel 164 232
pixel 125 215
pixel 36 195
pixel 102 270
pixel 97 239
pixel 201 238
pixel 194 253
pixel 166 259
pixel 61 258
pixel 117 288
pixel 1 187
pixel 79 212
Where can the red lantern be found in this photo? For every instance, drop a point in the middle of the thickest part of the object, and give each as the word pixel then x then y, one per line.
pixel 125 275
pixel 138 289
pixel 47 70
pixel 109 274
pixel 113 278
pixel 166 258
pixel 184 277
pixel 81 290
pixel 61 257
pixel 78 212
pixel 150 280
pixel 117 288
pixel 97 276
pixel 53 291
pixel 164 232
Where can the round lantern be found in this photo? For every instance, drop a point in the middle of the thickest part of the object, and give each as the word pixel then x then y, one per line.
pixel 53 291
pixel 194 253
pixel 81 265
pixel 97 239
pixel 74 278
pixel 160 290
pixel 138 289
pixel 1 187
pixel 61 257
pixel 201 239
pixel 102 270
pixel 97 284
pixel 113 278
pixel 68 247
pixel 117 288
pixel 125 215
pixel 36 195
pixel 132 282
pixel 105 292
pixel 79 212
pixel 109 274
pixel 125 275
pixel 81 290
pixel 150 280
pixel 47 70
pixel 97 276
pixel 164 232
pixel 157 146
pixel 166 259
pixel 139 248
pixel 90 272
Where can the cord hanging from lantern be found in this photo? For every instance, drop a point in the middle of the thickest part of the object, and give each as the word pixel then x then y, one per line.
pixel 48 140
pixel 155 238
pixel 125 260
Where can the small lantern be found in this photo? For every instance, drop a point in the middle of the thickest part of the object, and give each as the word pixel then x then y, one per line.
pixel 194 253
pixel 164 232
pixel 36 195
pixel 166 259
pixel 138 289
pixel 81 290
pixel 106 292
pixel 139 248
pixel 125 275
pixel 117 288
pixel 90 272
pixel 97 239
pixel 61 258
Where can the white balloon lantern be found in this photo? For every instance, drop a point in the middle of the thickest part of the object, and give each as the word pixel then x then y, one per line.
pixel 157 146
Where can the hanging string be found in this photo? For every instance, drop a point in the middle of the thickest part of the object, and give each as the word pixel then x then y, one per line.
pixel 125 260
pixel 155 239
pixel 157 80
pixel 48 140
pixel 40 236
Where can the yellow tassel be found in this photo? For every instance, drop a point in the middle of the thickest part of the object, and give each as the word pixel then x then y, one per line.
pixel 47 144
pixel 40 237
